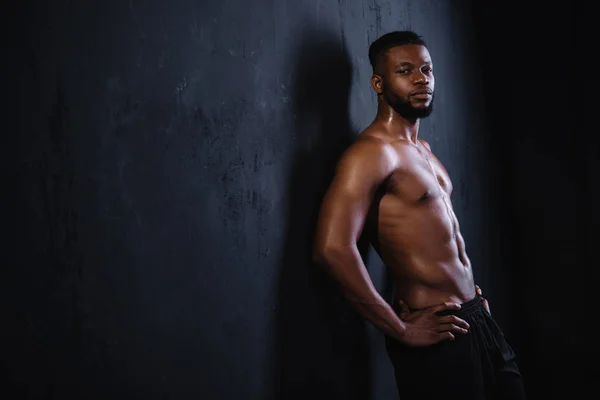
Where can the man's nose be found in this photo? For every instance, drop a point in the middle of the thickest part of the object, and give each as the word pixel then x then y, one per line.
pixel 420 79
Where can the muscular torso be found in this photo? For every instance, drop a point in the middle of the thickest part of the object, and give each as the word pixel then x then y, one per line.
pixel 417 233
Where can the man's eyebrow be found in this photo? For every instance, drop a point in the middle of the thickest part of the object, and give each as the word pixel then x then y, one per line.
pixel 409 64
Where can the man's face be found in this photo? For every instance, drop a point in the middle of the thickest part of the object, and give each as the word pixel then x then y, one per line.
pixel 407 81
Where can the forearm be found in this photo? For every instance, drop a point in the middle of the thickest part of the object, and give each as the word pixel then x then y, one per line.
pixel 381 315
pixel 345 265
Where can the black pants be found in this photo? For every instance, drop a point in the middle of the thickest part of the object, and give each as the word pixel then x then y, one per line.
pixel 479 365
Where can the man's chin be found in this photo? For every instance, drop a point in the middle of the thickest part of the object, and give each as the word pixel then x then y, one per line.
pixel 410 110
pixel 423 112
pixel 416 112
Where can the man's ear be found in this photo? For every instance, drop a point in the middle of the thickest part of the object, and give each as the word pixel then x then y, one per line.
pixel 377 83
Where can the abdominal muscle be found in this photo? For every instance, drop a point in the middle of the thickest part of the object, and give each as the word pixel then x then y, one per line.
pixel 419 244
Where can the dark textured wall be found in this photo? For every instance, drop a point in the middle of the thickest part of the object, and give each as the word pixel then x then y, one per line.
pixel 169 160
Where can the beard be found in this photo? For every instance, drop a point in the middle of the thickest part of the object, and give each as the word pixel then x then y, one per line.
pixel 407 110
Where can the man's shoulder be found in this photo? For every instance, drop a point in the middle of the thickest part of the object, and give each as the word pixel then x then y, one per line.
pixel 369 145
pixel 369 155
pixel 425 143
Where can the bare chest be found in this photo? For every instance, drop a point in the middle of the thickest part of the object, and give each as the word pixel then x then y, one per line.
pixel 420 178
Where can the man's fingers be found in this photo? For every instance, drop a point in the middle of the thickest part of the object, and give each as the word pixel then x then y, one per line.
pixel 486 305
pixel 404 310
pixel 484 301
pixel 453 319
pixel 446 306
pixel 446 335
pixel 452 328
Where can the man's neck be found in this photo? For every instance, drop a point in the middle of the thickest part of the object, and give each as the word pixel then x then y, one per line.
pixel 396 125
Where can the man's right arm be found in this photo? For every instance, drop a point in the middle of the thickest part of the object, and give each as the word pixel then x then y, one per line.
pixel 359 172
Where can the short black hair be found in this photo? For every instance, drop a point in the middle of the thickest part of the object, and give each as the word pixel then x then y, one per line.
pixel 392 39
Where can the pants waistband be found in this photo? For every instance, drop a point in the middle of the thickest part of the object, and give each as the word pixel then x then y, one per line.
pixel 466 308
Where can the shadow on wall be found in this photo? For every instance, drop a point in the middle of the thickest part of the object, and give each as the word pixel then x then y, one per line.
pixel 321 343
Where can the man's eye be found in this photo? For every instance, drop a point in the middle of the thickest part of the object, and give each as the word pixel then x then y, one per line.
pixel 404 71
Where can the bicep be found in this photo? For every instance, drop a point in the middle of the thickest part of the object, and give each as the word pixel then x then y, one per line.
pixel 343 213
pixel 347 201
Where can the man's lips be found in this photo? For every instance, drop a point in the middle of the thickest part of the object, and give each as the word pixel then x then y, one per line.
pixel 421 92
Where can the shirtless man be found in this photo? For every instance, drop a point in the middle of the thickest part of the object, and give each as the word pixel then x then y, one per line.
pixel 440 336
